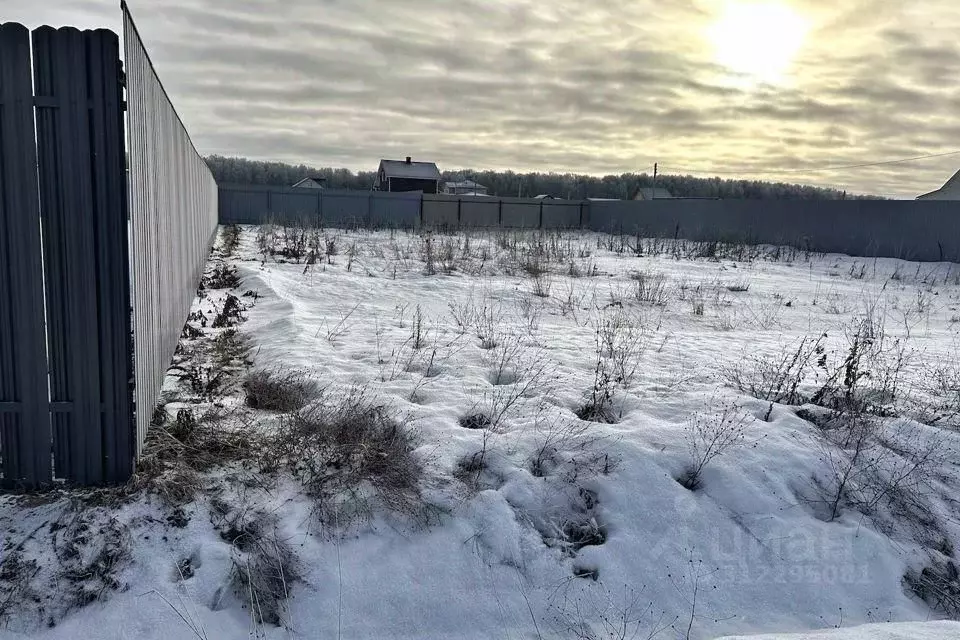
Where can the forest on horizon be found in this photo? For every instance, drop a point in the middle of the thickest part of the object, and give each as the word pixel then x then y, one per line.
pixel 509 183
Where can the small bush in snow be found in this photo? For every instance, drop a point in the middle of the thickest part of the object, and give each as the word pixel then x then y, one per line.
pixel 264 567
pixel 710 436
pixel 230 240
pixel 777 378
pixel 868 378
pixel 351 456
pixel 619 346
pixel 740 286
pixel 868 465
pixel 223 276
pixel 938 585
pixel 231 313
pixel 650 288
pixel 278 391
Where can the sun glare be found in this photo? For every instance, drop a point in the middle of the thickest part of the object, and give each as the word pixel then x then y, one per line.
pixel 757 41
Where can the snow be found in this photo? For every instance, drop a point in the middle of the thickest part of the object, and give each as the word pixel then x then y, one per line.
pixel 891 631
pixel 751 548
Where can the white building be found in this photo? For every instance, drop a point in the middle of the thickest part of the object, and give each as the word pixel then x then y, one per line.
pixel 465 188
pixel 949 191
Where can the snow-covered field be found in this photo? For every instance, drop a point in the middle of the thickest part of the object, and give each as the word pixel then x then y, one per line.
pixel 589 436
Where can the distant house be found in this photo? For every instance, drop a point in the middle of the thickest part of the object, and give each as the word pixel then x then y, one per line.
pixel 465 188
pixel 652 193
pixel 949 191
pixel 544 196
pixel 406 175
pixel 313 182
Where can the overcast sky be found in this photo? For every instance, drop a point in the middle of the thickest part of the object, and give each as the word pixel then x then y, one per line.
pixel 594 86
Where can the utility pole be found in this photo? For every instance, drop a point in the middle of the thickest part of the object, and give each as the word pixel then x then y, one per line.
pixel 653 194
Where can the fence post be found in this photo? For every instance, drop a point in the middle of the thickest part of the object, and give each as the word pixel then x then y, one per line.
pixel 500 213
pixel 24 404
pixel 541 214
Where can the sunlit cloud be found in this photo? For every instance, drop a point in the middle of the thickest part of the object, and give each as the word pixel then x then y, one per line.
pixel 778 89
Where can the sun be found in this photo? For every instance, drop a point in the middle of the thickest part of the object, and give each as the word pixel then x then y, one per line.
pixel 758 40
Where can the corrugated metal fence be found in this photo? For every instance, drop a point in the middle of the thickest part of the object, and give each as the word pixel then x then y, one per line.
pixel 255 204
pixel 66 376
pixel 24 401
pixel 173 219
pixel 67 371
pixel 926 230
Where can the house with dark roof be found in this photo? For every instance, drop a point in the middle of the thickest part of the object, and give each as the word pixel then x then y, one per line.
pixel 406 175
pixel 312 182
pixel 949 191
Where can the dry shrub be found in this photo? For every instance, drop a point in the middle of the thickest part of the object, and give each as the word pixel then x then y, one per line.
pixel 91 555
pixel 230 349
pixel 264 566
pixel 230 315
pixel 223 276
pixel 231 239
pixel 869 467
pixel 177 453
pixel 778 377
pixel 938 585
pixel 869 377
pixel 710 436
pixel 650 288
pixel 278 390
pixel 351 457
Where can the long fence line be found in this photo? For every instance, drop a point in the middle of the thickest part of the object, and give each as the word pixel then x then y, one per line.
pixel 173 219
pixel 924 230
pixel 80 248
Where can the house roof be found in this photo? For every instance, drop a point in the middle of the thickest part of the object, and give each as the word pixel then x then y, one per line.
pixel 465 184
pixel 949 191
pixel 318 179
pixel 415 170
pixel 650 193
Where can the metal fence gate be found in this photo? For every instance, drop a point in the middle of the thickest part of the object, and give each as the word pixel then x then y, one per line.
pixel 67 373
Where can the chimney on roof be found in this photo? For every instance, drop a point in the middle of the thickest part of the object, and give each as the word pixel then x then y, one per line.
pixel 408 159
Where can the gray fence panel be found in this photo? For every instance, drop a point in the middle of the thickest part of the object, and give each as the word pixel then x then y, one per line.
pixel 24 408
pixel 522 213
pixel 395 210
pixel 243 204
pixel 81 174
pixel 918 230
pixel 562 214
pixel 296 207
pixel 345 208
pixel 440 211
pixel 173 219
pixel 479 212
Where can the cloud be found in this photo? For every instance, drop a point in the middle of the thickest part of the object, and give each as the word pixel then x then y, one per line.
pixel 552 85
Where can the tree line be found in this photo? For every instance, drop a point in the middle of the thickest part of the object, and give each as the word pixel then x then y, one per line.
pixel 510 183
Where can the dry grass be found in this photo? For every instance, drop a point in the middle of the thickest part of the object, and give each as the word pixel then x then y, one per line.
pixel 178 453
pixel 352 457
pixel 284 391
pixel 264 567
pixel 938 585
